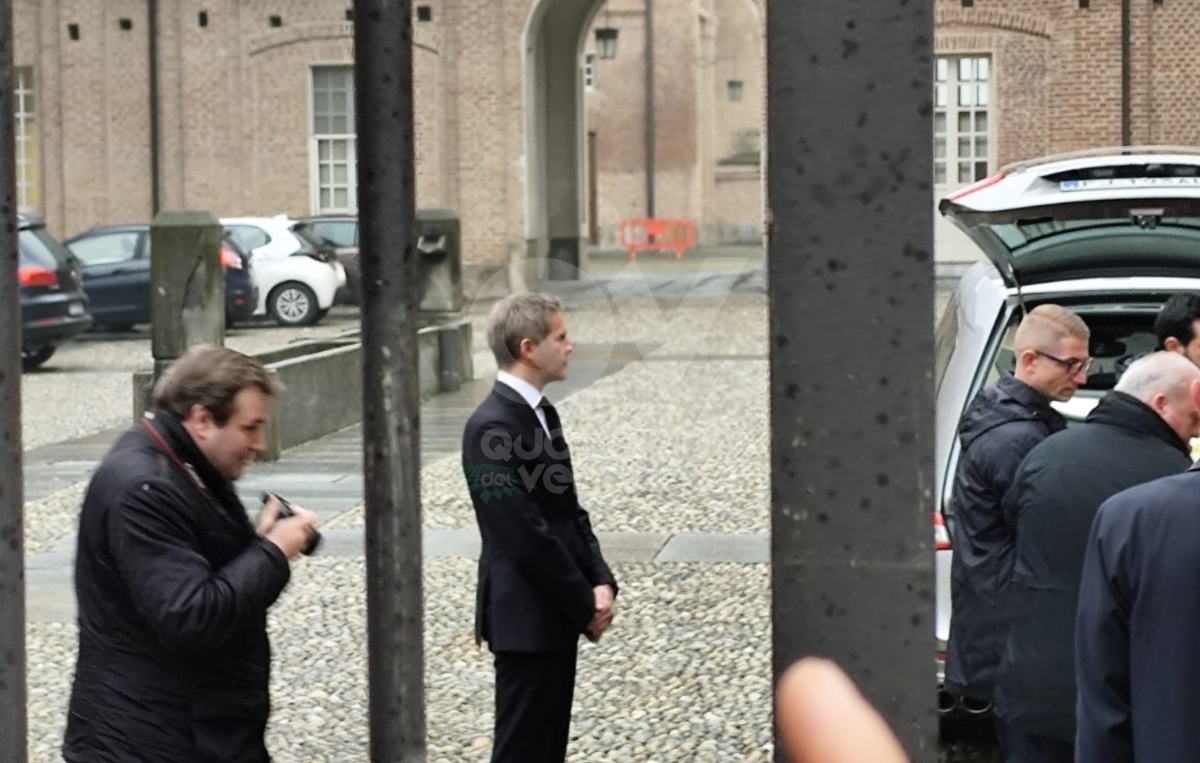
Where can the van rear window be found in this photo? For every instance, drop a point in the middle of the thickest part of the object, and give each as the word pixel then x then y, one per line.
pixel 36 247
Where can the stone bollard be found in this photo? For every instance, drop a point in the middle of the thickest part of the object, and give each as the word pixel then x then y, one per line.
pixel 187 289
pixel 439 245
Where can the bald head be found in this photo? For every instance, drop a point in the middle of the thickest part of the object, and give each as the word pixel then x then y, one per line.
pixel 1170 384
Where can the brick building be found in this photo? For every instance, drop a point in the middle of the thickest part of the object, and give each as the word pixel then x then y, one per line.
pixel 255 108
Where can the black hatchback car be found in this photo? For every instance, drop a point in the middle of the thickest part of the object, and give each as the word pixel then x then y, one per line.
pixel 53 306
pixel 116 276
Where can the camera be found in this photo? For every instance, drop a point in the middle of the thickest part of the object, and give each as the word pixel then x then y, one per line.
pixel 285 511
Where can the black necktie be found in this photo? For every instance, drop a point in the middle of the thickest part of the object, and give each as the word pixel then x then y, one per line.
pixel 553 422
pixel 558 442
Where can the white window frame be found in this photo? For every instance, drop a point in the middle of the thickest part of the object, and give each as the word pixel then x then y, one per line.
pixel 589 72
pixel 25 124
pixel 964 99
pixel 320 140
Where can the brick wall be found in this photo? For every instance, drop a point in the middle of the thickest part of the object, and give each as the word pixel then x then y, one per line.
pixel 234 101
pixel 1058 70
pixel 234 105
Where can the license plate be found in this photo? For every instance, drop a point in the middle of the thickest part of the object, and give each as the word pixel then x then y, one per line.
pixel 75 308
pixel 1125 183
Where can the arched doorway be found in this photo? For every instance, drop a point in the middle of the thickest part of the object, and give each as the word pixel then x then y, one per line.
pixel 705 160
pixel 554 136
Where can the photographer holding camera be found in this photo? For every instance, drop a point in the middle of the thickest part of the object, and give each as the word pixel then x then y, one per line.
pixel 172 580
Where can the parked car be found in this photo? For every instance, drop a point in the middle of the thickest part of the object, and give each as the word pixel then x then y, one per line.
pixel 297 276
pixel 116 276
pixel 53 306
pixel 1109 233
pixel 341 233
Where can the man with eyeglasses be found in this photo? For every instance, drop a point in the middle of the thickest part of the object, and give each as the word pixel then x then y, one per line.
pixel 999 428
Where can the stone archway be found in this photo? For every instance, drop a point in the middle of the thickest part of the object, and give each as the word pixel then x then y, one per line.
pixel 554 136
pixel 702 45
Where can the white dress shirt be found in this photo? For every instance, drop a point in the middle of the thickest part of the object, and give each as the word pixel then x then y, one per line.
pixel 526 390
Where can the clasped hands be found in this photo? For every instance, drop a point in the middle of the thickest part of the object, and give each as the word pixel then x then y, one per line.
pixel 604 613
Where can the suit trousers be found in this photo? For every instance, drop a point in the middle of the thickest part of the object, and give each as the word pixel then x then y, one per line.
pixel 534 692
pixel 1019 746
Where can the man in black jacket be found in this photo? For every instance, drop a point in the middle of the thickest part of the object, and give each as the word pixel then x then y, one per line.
pixel 1137 433
pixel 1000 426
pixel 542 578
pixel 173 582
pixel 1137 667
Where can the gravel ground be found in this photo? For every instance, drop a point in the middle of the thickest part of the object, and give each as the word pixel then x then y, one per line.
pixel 660 446
pixel 51 518
pixel 684 674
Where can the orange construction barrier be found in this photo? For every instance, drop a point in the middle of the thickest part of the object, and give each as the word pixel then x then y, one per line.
pixel 658 234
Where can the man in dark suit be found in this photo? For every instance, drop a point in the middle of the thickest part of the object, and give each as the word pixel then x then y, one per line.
pixel 542 578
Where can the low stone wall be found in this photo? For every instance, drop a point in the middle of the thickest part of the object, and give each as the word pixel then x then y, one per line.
pixel 322 382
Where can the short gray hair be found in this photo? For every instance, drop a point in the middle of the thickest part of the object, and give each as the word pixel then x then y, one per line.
pixel 1047 325
pixel 518 317
pixel 1159 373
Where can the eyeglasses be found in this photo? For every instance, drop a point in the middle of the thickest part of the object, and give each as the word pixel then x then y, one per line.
pixel 1072 365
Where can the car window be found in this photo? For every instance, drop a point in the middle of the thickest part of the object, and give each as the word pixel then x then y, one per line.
pixel 249 236
pixel 342 233
pixel 307 242
pixel 35 246
pixel 106 248
pixel 945 339
pixel 235 245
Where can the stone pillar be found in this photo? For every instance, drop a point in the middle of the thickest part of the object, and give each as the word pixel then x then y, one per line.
pixel 851 301
pixel 13 696
pixel 439 245
pixel 187 284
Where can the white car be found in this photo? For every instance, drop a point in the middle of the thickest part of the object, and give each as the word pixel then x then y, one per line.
pixel 297 278
pixel 1109 233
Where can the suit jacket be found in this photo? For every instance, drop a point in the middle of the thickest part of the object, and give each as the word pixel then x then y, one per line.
pixel 540 559
pixel 1136 630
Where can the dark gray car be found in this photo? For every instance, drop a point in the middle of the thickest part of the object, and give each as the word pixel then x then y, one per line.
pixel 340 232
pixel 53 304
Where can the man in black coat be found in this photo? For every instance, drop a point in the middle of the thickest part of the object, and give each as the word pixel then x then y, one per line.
pixel 1000 426
pixel 173 582
pixel 542 578
pixel 1137 628
pixel 1137 433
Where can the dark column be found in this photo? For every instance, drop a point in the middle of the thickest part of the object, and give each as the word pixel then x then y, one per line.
pixel 12 503
pixel 849 168
pixel 383 81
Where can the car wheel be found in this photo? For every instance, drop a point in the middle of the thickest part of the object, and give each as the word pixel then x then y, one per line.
pixel 31 359
pixel 294 304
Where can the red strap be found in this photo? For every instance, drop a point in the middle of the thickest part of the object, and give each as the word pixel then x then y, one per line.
pixel 166 449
